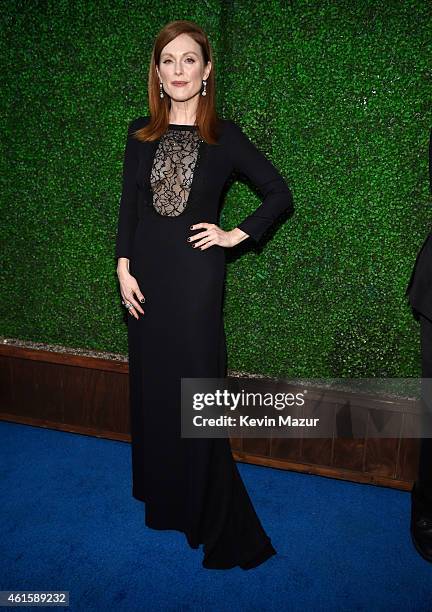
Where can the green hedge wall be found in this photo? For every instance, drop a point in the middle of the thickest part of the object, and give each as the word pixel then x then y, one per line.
pixel 337 94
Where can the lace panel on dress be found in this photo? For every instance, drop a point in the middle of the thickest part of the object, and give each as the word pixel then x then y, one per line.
pixel 173 170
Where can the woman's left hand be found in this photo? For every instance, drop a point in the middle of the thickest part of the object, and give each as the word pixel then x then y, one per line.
pixel 212 234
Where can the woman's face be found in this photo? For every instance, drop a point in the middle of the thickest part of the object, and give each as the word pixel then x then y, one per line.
pixel 181 61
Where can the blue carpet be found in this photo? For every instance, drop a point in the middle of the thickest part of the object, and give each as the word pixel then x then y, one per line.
pixel 69 522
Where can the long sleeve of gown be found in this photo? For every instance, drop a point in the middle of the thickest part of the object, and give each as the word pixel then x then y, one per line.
pixel 128 214
pixel 277 196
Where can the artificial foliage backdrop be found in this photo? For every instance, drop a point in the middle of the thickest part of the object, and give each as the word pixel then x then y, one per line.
pixel 336 94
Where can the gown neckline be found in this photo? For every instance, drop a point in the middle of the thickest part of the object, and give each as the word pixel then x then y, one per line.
pixel 179 126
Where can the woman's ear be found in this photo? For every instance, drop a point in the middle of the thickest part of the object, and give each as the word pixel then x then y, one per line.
pixel 208 70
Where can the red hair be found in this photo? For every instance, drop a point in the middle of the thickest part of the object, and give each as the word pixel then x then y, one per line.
pixel 206 116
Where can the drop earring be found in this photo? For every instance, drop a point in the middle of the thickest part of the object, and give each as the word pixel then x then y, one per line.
pixel 204 92
pixel 161 90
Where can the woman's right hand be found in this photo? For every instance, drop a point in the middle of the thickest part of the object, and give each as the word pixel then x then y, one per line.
pixel 129 289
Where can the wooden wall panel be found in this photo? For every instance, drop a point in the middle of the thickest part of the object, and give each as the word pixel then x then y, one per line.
pixel 89 394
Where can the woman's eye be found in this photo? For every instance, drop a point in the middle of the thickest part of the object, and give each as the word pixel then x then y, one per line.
pixel 189 58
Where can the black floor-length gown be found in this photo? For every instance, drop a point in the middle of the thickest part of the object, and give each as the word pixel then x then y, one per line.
pixel 191 485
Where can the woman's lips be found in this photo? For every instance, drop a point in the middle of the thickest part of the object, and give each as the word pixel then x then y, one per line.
pixel 179 84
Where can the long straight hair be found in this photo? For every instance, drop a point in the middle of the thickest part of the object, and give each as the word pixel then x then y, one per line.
pixel 206 116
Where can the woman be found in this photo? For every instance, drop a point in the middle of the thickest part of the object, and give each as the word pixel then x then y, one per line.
pixel 171 268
